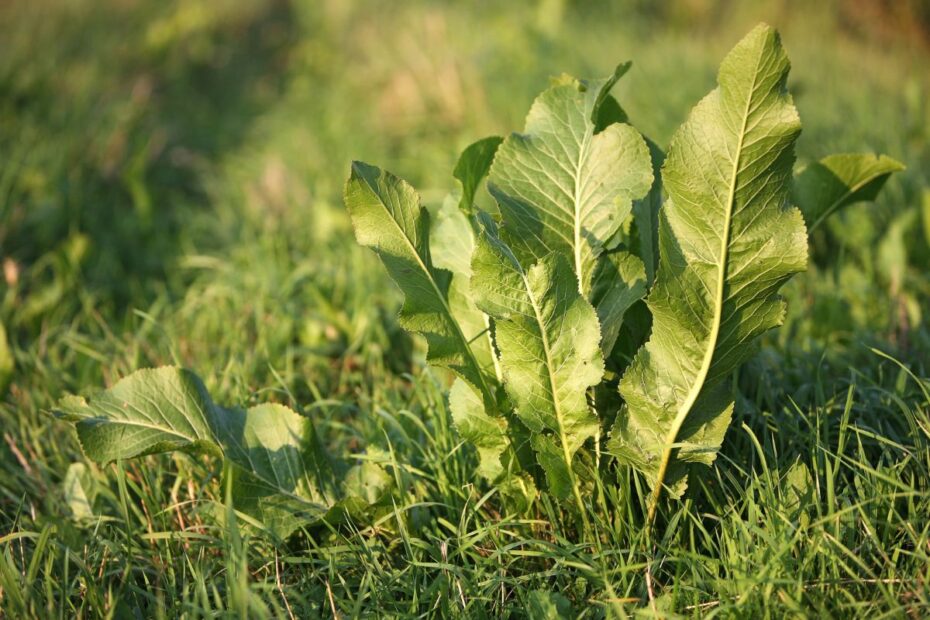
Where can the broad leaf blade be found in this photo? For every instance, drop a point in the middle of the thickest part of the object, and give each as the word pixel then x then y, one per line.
pixel 836 181
pixel 387 217
pixel 728 241
pixel 564 188
pixel 150 411
pixel 548 336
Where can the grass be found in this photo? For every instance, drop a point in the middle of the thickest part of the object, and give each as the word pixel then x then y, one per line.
pixel 170 178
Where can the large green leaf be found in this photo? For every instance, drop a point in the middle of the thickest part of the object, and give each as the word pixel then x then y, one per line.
pixel 836 181
pixel 282 476
pixel 548 336
pixel 387 217
pixel 564 187
pixel 153 410
pixel 728 241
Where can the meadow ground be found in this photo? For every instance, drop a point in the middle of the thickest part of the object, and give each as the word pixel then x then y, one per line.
pixel 170 193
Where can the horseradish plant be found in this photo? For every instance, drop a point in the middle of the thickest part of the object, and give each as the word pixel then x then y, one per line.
pixel 601 305
pixel 527 302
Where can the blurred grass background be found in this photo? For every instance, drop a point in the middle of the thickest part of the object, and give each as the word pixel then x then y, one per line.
pixel 170 192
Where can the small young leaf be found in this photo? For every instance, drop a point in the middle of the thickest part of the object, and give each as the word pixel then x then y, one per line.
pixel 488 434
pixel 494 440
pixel 452 242
pixel 544 605
pixel 548 339
pixel 473 165
pixel 836 181
pixel 728 241
pixel 78 492
pixel 387 217
pixel 563 188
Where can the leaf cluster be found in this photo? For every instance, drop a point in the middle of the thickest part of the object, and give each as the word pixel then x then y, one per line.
pixel 604 299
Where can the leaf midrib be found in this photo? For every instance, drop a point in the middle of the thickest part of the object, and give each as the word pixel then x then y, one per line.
pixel 556 403
pixel 582 156
pixel 152 427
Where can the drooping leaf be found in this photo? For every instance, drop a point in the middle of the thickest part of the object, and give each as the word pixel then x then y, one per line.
pixel 282 476
pixel 561 186
pixel 728 241
pixel 548 337
pixel 281 473
pixel 387 217
pixel 836 181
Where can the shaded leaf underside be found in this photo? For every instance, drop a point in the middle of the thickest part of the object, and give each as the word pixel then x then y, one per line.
pixel 836 181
